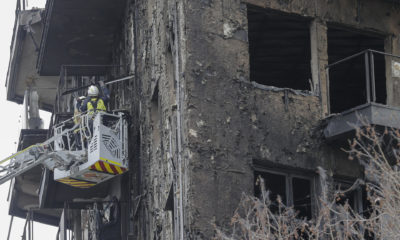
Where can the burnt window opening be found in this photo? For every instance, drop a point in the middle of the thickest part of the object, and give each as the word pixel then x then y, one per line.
pixel 352 197
pixel 302 196
pixel 347 80
pixel 276 185
pixel 366 204
pixel 279 48
pixel 293 190
pixel 356 197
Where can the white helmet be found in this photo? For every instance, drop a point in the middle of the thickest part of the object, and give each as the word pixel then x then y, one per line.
pixel 93 91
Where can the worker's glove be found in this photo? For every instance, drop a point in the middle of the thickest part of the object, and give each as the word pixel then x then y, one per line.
pixel 101 83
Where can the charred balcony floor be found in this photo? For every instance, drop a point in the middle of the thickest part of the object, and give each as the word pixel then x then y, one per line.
pixel 342 126
pixel 78 32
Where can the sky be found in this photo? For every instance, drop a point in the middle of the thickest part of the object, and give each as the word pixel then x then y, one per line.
pixel 10 125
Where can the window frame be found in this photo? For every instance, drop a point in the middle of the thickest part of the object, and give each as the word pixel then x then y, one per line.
pixel 289 175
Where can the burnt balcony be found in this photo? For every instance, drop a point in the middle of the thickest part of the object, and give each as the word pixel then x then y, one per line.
pixel 357 93
pixel 24 188
pixel 73 82
pixel 75 79
pixel 79 32
pixel 22 73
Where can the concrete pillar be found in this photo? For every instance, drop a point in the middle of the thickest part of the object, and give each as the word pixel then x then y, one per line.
pixel 319 59
pixel 31 118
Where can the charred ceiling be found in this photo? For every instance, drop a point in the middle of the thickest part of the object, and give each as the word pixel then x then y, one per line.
pixel 78 32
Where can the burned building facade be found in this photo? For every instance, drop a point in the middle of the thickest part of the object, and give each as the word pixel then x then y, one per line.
pixel 220 93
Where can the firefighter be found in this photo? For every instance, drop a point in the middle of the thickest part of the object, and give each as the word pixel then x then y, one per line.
pixel 77 110
pixel 94 103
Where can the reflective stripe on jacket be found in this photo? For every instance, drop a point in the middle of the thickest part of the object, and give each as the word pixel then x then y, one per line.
pixel 96 104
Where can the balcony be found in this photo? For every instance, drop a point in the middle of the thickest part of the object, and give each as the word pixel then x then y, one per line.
pixel 79 32
pixel 368 102
pixel 74 81
pixel 24 195
pixel 22 72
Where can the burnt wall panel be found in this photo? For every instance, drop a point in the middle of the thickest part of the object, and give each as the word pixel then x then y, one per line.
pixel 145 49
pixel 230 122
pixel 200 50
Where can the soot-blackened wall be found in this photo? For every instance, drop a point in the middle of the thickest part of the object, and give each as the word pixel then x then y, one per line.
pixel 201 128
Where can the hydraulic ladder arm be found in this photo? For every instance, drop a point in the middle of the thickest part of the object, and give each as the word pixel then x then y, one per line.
pixel 30 157
pixel 101 155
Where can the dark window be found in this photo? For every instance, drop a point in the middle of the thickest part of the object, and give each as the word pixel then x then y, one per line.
pixel 353 197
pixel 294 191
pixel 280 49
pixel 347 80
pixel 348 197
pixel 366 204
pixel 356 198
pixel 302 196
pixel 276 184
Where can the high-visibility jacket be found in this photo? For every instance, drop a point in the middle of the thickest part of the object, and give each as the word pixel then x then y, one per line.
pixel 96 104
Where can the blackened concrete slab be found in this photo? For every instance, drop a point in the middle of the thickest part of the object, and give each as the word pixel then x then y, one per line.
pixel 342 124
pixel 22 72
pixel 78 32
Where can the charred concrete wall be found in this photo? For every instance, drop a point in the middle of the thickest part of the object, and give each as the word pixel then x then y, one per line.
pixel 200 127
pixel 235 125
pixel 146 47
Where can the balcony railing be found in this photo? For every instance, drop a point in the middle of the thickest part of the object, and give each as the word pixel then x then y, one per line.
pixel 362 96
pixel 95 220
pixel 369 61
pixel 78 77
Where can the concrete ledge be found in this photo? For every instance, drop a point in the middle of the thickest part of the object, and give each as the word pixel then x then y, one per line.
pixel 343 124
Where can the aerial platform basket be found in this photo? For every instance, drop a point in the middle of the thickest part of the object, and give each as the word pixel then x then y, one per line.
pixel 104 139
pixel 82 153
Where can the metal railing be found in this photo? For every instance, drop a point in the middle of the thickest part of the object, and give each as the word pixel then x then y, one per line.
pixel 369 65
pixel 76 77
pixel 21 5
pixel 89 223
pixel 78 137
pixel 65 231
